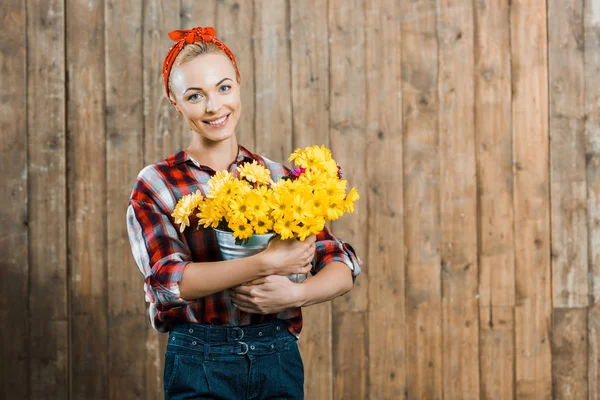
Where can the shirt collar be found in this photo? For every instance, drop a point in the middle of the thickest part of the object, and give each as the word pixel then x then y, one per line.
pixel 180 156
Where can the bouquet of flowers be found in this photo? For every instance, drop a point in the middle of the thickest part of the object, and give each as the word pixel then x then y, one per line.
pixel 297 205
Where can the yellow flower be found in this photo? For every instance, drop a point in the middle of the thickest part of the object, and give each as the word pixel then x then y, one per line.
pixel 320 203
pixel 312 155
pixel 262 224
pixel 184 209
pixel 350 199
pixel 310 226
pixel 241 228
pixel 210 213
pixel 335 209
pixel 285 227
pixel 301 208
pixel 280 203
pixel 255 173
pixel 216 182
pixel 238 208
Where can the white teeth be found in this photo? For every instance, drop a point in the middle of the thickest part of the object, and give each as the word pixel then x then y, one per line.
pixel 219 121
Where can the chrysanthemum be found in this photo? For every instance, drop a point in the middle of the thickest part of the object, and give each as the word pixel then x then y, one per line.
pixel 216 182
pixel 184 209
pixel 262 224
pixel 310 226
pixel 350 199
pixel 255 173
pixel 241 228
pixel 286 227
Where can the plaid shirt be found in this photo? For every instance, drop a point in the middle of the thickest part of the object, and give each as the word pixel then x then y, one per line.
pixel 162 252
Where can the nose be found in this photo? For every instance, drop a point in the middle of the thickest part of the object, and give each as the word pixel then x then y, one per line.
pixel 212 104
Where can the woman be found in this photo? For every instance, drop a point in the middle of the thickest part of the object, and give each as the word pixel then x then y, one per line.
pixel 227 339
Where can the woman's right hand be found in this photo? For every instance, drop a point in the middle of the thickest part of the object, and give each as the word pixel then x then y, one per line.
pixel 290 256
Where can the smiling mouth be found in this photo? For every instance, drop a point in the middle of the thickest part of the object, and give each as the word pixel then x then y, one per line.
pixel 218 122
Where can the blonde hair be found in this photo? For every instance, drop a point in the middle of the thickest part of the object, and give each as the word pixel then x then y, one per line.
pixel 193 50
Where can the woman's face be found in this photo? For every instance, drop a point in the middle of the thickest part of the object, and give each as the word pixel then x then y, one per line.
pixel 208 95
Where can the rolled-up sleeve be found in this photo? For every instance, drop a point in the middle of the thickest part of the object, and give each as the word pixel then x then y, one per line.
pixel 330 249
pixel 158 251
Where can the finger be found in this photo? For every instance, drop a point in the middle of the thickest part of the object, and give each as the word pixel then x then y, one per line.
pixel 243 290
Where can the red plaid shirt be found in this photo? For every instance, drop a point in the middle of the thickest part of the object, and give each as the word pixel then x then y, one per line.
pixel 162 252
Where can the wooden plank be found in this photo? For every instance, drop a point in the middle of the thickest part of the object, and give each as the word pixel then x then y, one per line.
pixel 87 199
pixel 421 200
pixel 14 376
pixel 234 24
pixel 164 129
pixel 387 338
pixel 591 16
pixel 272 79
pixel 569 353
pixel 531 199
pixel 497 357
pixel 349 339
pixel 567 153
pixel 127 319
pixel 347 78
pixel 495 196
pixel 310 110
pixel 458 244
pixel 48 291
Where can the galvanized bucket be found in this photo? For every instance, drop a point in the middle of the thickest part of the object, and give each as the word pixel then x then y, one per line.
pixel 255 244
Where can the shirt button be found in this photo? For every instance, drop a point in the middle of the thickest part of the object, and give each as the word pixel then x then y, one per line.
pixel 272 346
pixel 259 333
pixel 191 330
pixel 252 347
pixel 194 343
pixel 278 328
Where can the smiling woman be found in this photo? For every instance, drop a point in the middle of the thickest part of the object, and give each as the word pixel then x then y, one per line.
pixel 233 324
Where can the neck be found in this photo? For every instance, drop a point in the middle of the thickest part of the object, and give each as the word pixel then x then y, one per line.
pixel 216 155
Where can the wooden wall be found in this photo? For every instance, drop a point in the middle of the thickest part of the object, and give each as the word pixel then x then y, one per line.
pixel 471 127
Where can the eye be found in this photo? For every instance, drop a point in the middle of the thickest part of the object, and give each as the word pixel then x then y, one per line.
pixel 195 96
pixel 225 88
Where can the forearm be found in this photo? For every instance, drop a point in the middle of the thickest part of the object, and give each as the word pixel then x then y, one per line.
pixel 201 279
pixel 334 280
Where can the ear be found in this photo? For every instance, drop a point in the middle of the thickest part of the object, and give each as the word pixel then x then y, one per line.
pixel 174 104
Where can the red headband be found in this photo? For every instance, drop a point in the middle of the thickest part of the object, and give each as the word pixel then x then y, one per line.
pixel 183 37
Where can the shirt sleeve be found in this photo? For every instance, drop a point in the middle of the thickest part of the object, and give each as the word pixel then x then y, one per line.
pixel 330 249
pixel 158 251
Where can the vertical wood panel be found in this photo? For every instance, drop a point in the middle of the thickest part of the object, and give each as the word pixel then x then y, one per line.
pixel 162 130
pixel 569 350
pixel 592 128
pixel 421 199
pixel 14 313
pixel 310 110
pixel 386 320
pixel 162 126
pixel 234 25
pixel 127 320
pixel 458 244
pixel 495 196
pixel 272 80
pixel 531 199
pixel 497 356
pixel 87 198
pixel 348 143
pixel 48 297
pixel 567 170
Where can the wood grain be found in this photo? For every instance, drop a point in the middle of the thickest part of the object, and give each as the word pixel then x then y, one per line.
pixel 591 16
pixel 310 111
pixel 14 241
pixel 420 107
pixel 493 130
pixel 48 290
pixel 164 129
pixel 127 319
pixel 272 79
pixel 347 77
pixel 387 343
pixel 569 351
pixel 87 229
pixel 567 153
pixel 533 299
pixel 458 216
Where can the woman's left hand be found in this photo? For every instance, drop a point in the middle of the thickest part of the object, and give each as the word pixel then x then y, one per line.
pixel 268 295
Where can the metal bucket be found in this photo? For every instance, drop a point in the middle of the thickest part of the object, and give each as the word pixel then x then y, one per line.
pixel 254 245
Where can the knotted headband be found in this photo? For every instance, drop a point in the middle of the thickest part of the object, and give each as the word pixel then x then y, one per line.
pixel 183 37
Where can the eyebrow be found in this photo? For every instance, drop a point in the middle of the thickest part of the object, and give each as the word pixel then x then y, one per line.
pixel 197 88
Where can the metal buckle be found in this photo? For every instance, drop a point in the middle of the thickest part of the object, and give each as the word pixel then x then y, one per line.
pixel 239 329
pixel 245 350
